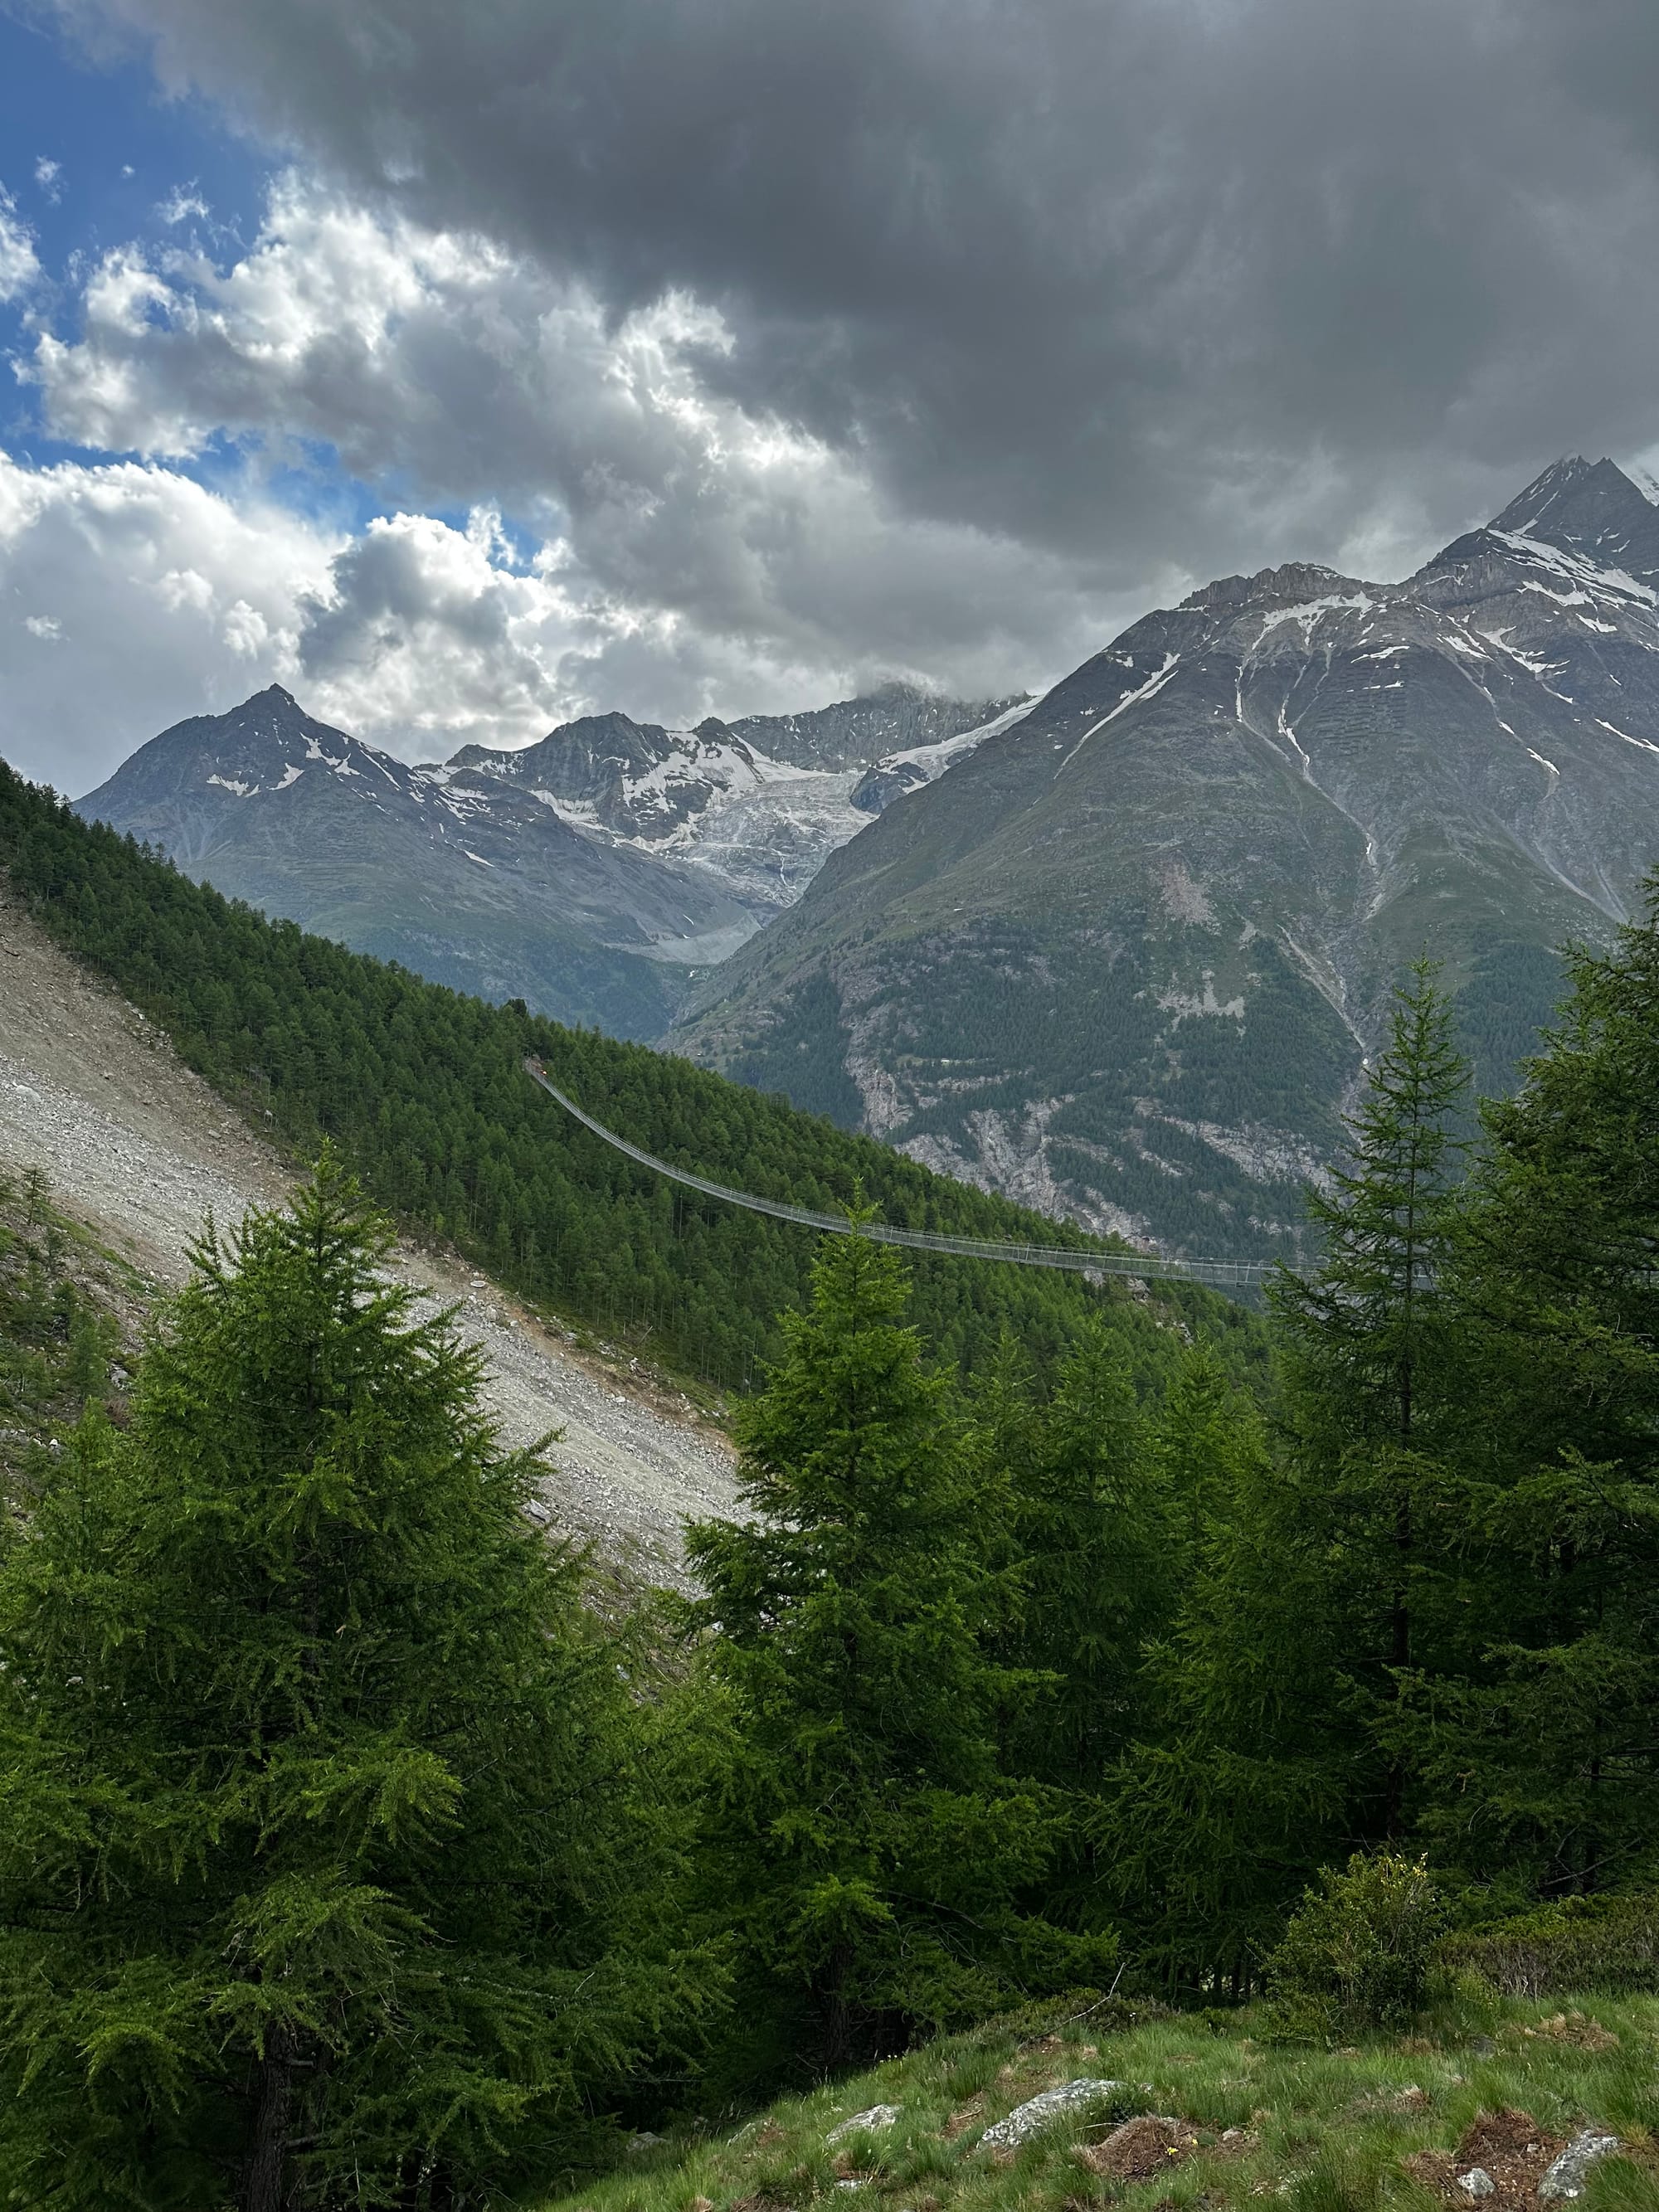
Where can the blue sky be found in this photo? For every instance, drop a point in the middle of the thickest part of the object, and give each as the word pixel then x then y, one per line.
pixel 466 368
pixel 90 155
pixel 95 156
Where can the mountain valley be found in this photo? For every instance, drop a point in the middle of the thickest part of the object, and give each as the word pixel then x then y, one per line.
pixel 1120 952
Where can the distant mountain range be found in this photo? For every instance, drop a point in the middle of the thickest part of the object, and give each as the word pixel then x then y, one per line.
pixel 759 805
pixel 1124 960
pixel 589 874
pixel 1119 952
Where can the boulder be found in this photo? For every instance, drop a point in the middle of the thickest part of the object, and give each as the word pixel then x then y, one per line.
pixel 1566 2178
pixel 1039 2111
pixel 869 2123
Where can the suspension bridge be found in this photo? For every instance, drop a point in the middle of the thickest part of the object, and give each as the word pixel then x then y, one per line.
pixel 1225 1274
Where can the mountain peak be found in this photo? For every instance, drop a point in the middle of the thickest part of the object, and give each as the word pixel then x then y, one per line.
pixel 1294 580
pixel 1576 502
pixel 273 700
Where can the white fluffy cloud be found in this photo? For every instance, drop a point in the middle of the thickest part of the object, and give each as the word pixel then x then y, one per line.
pixel 130 597
pixel 681 555
pixel 19 266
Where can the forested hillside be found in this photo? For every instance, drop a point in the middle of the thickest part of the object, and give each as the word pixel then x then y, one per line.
pixel 358 1854
pixel 422 1090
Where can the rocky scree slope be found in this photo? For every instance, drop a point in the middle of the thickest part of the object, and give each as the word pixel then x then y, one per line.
pixel 139 1149
pixel 1125 960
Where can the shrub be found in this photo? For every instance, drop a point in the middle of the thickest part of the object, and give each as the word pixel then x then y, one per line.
pixel 1606 1943
pixel 1360 1952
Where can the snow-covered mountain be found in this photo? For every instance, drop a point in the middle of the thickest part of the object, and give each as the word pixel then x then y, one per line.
pixel 760 824
pixel 1125 959
pixel 459 875
pixel 894 773
pixel 589 874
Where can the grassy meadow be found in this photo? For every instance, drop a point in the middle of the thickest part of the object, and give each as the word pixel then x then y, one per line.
pixel 1379 2124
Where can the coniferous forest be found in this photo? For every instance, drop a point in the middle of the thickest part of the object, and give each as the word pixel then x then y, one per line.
pixel 349 1858
pixel 423 1092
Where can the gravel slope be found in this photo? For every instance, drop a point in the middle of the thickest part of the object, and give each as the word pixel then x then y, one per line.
pixel 141 1150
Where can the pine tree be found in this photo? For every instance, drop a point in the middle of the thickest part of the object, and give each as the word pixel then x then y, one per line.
pixel 871 1849
pixel 327 1870
pixel 1220 1815
pixel 1541 1749
pixel 1368 1351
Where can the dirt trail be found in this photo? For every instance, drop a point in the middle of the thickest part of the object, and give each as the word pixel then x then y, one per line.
pixel 141 1150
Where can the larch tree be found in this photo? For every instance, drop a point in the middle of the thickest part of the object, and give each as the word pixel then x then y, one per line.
pixel 1219 1816
pixel 872 1849
pixel 1370 1350
pixel 1540 1753
pixel 1096 1568
pixel 330 1872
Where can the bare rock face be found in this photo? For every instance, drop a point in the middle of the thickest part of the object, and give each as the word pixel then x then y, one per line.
pixel 1166 905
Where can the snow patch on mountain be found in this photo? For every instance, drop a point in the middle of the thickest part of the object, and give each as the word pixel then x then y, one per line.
pixel 896 773
pixel 1586 575
pixel 760 823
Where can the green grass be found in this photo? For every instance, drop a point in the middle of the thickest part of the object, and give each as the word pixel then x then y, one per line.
pixel 1324 2130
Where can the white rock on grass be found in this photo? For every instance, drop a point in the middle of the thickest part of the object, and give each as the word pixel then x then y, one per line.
pixel 1477 2182
pixel 869 2123
pixel 1037 2111
pixel 1566 2178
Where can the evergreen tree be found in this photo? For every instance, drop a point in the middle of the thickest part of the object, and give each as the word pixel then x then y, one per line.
pixel 327 1872
pixel 1094 1547
pixel 1217 1819
pixel 1539 1750
pixel 55 1341
pixel 1089 1541
pixel 1369 1354
pixel 870 1848
pixel 1276 1743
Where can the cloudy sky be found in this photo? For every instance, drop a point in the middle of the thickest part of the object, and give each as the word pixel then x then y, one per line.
pixel 464 368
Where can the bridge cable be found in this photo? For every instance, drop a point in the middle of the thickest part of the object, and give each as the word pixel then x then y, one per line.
pixel 1232 1274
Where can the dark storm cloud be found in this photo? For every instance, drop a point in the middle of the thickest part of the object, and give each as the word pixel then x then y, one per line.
pixel 1192 281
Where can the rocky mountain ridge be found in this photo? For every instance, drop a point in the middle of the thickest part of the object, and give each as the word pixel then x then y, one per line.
pixel 456 874
pixel 1125 960
pixel 761 822
pixel 586 874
